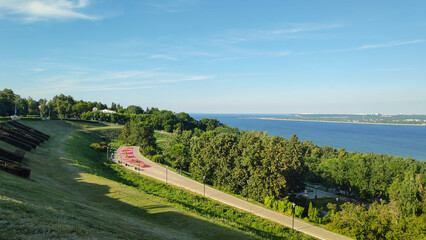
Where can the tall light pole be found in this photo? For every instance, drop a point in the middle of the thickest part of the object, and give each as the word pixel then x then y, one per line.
pixel 247 189
pixel 181 162
pixel 294 205
pixel 204 182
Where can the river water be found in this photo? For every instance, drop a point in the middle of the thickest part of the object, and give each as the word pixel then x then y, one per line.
pixel 398 140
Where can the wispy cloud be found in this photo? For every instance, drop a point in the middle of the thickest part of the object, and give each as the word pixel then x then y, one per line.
pixel 290 31
pixel 38 69
pixel 389 44
pixel 112 81
pixel 171 6
pixel 304 28
pixel 165 57
pixel 37 10
pixel 365 47
pixel 223 59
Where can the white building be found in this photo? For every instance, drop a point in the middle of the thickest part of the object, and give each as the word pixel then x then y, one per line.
pixel 106 111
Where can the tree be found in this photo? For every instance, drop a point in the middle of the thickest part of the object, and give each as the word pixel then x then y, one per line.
pixel 142 135
pixel 133 109
pixel 294 164
pixel 32 107
pixel 125 132
pixel 407 194
pixel 180 137
pixel 63 105
pixel 80 107
pixel 22 106
pixel 207 124
pixel 7 102
pixel 44 108
pixel 113 107
pixel 180 156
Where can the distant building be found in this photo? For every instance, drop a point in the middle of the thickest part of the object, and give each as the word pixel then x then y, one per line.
pixel 106 111
pixel 95 109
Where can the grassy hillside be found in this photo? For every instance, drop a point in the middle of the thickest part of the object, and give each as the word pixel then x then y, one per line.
pixel 75 193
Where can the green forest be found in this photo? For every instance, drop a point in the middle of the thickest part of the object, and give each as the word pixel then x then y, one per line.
pixel 387 192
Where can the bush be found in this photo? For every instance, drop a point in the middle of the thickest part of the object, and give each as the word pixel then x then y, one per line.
pixel 158 158
pixel 313 214
pixel 268 201
pixel 299 211
pixel 100 147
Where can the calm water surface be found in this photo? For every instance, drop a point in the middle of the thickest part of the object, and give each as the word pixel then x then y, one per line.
pixel 405 141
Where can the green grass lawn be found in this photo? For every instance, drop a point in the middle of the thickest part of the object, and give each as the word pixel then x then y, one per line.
pixel 162 139
pixel 74 192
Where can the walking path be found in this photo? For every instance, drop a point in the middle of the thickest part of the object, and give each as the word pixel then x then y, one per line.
pixel 169 176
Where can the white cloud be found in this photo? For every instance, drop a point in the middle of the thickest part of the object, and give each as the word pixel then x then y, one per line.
pixel 389 44
pixel 38 69
pixel 224 59
pixel 158 56
pixel 171 6
pixel 365 47
pixel 291 31
pixel 304 28
pixel 110 81
pixel 37 10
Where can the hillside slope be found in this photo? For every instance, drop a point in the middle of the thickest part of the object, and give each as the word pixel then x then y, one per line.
pixel 62 201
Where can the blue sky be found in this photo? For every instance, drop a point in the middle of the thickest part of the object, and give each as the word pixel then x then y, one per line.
pixel 220 56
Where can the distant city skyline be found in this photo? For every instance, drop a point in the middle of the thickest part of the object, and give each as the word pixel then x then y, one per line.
pixel 312 56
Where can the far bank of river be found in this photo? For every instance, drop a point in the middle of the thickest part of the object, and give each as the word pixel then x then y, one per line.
pixel 399 140
pixel 355 122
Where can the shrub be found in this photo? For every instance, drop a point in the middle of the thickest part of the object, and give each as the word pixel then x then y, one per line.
pixel 268 201
pixel 313 214
pixel 299 211
pixel 158 158
pixel 100 147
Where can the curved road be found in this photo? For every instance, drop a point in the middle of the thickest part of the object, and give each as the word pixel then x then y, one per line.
pixel 169 176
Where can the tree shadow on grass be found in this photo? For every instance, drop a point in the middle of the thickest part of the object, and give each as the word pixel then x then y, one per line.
pixel 154 220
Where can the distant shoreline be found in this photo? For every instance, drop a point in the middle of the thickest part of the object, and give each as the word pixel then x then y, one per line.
pixel 306 120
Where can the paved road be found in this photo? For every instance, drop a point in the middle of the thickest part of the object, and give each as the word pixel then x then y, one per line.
pixel 171 177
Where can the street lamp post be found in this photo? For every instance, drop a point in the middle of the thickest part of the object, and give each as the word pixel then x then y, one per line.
pixel 294 205
pixel 316 190
pixel 247 190
pixel 204 182
pixel 181 162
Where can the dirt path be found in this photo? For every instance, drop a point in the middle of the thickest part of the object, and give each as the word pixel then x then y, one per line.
pixel 169 176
